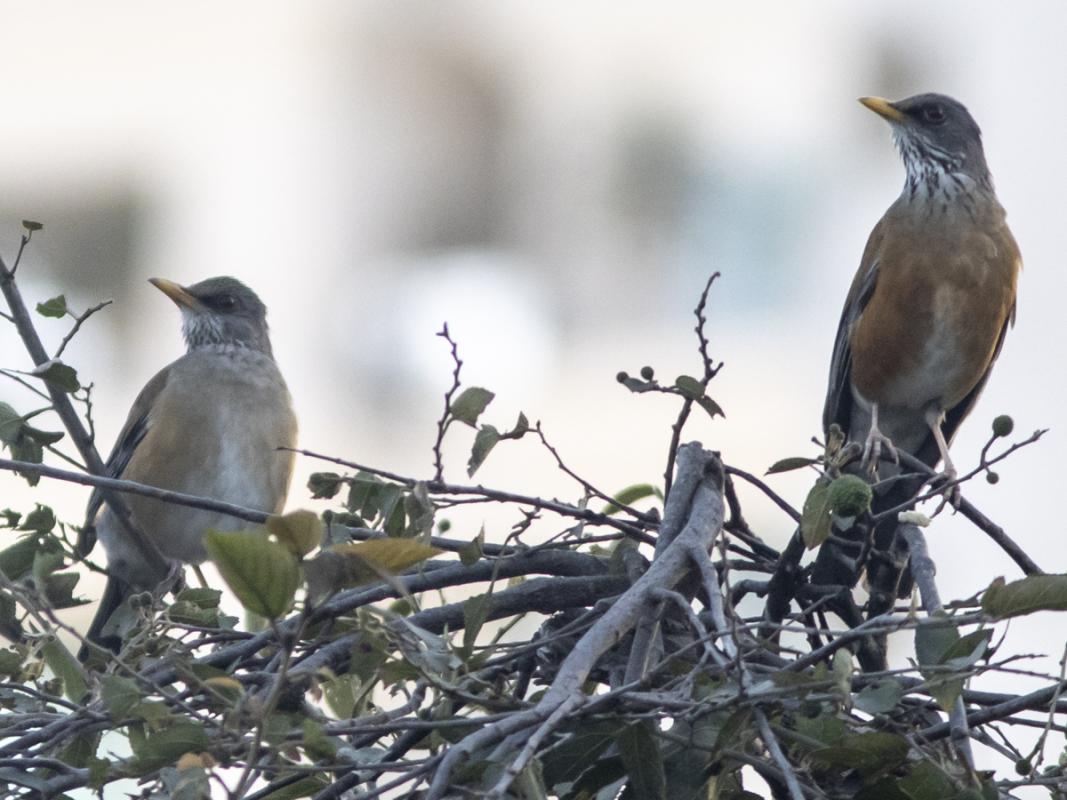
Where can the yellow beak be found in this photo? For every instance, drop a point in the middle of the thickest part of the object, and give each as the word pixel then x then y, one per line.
pixel 176 293
pixel 883 108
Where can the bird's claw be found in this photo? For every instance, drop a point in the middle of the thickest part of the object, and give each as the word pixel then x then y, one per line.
pixel 872 451
pixel 950 493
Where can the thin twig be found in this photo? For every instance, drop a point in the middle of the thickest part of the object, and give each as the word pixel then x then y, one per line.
pixel 438 487
pixel 78 321
pixel 446 415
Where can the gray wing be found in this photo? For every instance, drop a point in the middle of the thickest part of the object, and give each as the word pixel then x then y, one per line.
pixel 838 406
pixel 955 415
pixel 132 433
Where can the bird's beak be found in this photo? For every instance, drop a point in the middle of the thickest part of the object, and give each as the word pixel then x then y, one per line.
pixel 883 108
pixel 176 293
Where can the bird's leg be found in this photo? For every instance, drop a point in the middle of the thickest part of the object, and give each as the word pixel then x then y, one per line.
pixel 948 472
pixel 872 447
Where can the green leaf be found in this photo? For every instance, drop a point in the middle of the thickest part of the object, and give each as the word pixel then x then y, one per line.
pixel 932 642
pixel 470 404
pixel 815 518
pixel 868 753
pixel 363 495
pixel 829 730
pixel 475 613
pixel 790 464
pixel 690 752
pixel 202 597
pixel 120 695
pixel 927 781
pixel 59 589
pixel 468 554
pixel 17 560
pixel 67 668
pixel 42 520
pixel 968 650
pixel 81 752
pixel 879 698
pixel 635 385
pixel 709 405
pixel 163 747
pixel 42 437
pixel 1018 598
pixel 305 787
pixel 11 662
pixel 57 374
pixel 565 762
pixel 396 523
pixel 263 574
pixel 641 755
pixel 186 613
pixel 31 226
pixel 485 441
pixel 56 307
pixel 11 424
pixel 317 744
pixel 629 496
pixel 522 427
pixel 324 484
pixel 689 386
pixel 28 450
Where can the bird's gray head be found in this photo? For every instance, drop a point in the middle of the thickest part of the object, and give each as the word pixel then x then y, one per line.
pixel 939 141
pixel 219 311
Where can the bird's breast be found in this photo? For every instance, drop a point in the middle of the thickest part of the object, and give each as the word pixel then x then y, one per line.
pixel 214 432
pixel 930 329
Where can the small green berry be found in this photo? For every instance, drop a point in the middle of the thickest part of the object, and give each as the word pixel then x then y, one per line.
pixel 444 526
pixel 849 496
pixel 1003 426
pixel 1023 766
pixel 648 373
pixel 992 477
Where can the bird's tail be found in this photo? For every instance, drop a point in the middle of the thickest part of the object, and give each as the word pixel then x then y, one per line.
pixel 881 553
pixel 115 593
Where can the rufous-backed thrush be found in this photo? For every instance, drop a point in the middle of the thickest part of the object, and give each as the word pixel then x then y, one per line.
pixel 928 309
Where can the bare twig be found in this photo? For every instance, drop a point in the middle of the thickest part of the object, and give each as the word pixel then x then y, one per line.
pixel 710 371
pixel 78 322
pixel 438 487
pixel 446 415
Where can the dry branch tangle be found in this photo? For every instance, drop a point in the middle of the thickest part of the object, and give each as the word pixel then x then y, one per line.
pixel 697 468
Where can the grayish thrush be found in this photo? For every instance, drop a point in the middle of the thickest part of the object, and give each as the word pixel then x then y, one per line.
pixel 209 424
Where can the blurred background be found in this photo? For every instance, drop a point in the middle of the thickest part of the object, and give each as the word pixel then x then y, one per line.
pixel 556 181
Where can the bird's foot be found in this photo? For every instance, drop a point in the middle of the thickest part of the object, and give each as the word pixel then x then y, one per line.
pixel 951 495
pixel 872 451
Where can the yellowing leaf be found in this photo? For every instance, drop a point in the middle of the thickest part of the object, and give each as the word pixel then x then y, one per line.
pixel 300 531
pixel 387 555
pixel 358 563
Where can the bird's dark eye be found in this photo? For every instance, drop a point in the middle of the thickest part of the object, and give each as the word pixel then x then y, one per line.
pixel 934 114
pixel 224 302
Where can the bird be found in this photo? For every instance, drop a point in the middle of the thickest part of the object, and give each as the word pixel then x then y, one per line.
pixel 215 423
pixel 926 315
